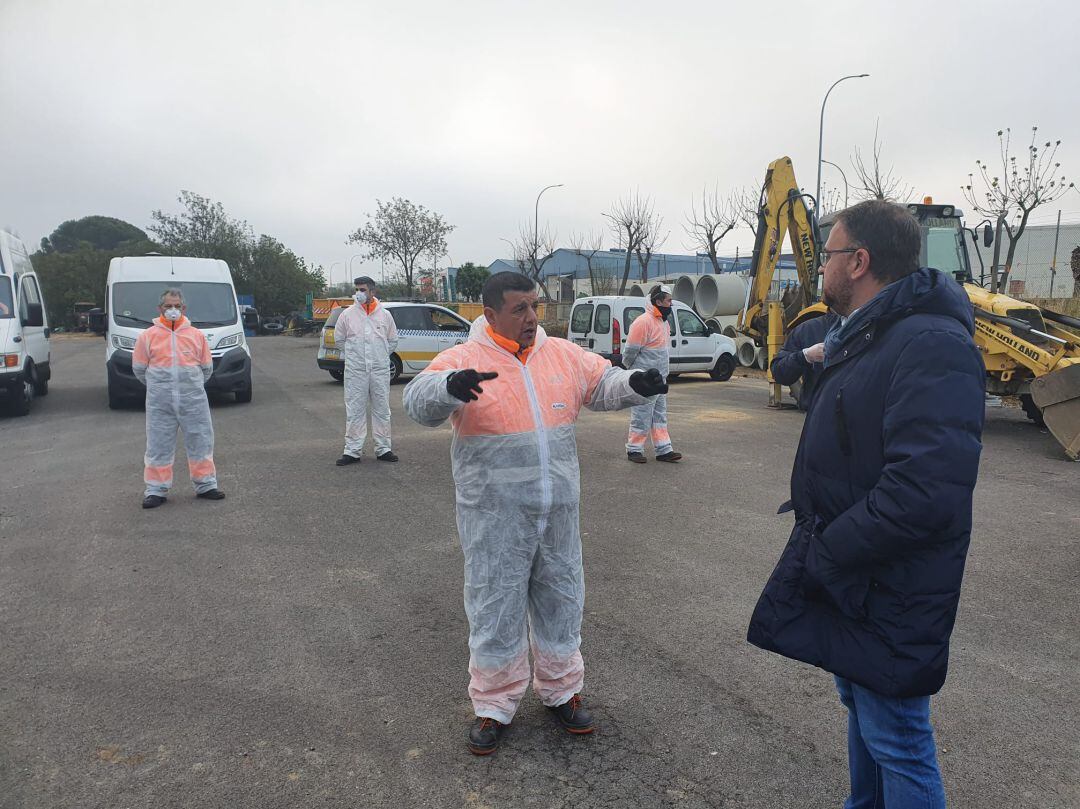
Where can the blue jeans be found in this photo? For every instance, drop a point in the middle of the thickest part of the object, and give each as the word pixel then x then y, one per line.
pixel 891 753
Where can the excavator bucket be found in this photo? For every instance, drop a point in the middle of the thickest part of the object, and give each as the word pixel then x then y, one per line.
pixel 1058 396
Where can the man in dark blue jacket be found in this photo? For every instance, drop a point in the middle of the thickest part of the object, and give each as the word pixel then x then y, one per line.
pixel 803 356
pixel 868 584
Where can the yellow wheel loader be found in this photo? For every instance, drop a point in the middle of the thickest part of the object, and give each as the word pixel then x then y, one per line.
pixel 1029 352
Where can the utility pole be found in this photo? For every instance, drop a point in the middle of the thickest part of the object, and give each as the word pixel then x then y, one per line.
pixel 1053 260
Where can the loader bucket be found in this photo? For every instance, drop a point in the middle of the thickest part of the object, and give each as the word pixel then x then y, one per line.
pixel 1058 396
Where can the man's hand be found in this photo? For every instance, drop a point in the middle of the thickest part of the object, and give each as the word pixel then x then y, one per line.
pixel 648 383
pixel 815 353
pixel 465 385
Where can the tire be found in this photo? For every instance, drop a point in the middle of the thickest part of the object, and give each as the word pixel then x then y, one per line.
pixel 724 368
pixel 243 396
pixel 1031 410
pixel 21 396
pixel 338 375
pixel 41 387
pixel 395 368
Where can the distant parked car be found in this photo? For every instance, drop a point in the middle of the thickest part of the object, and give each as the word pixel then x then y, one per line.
pixel 600 324
pixel 424 330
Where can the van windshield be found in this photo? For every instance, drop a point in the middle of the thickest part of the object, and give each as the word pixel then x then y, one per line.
pixel 7 308
pixel 209 305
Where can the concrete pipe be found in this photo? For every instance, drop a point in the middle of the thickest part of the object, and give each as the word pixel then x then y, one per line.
pixel 761 358
pixel 745 351
pixel 729 331
pixel 717 295
pixel 683 289
pixel 636 291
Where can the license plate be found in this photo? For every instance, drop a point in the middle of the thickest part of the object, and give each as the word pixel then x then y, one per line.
pixel 330 355
pixel 582 341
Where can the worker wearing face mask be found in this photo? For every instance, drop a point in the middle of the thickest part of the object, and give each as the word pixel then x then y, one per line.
pixel 367 336
pixel 647 347
pixel 172 358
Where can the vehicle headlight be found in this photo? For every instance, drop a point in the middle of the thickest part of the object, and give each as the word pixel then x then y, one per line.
pixel 230 341
pixel 122 342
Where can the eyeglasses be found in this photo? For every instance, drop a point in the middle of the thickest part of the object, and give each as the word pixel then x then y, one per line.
pixel 827 254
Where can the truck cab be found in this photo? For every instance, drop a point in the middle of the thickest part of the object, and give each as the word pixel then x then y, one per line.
pixel 132 295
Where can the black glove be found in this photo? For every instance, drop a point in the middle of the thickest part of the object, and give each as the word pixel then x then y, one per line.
pixel 465 384
pixel 648 383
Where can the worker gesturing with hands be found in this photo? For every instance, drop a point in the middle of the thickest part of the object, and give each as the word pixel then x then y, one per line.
pixel 516 473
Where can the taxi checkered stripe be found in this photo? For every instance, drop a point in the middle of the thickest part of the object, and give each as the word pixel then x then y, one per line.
pixel 422 333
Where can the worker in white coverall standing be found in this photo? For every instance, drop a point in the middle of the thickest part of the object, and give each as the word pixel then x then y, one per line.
pixel 172 358
pixel 516 472
pixel 367 336
pixel 647 347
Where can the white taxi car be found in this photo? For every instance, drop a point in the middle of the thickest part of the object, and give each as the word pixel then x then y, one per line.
pixel 424 330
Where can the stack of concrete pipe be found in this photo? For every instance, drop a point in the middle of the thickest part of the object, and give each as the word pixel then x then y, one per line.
pixel 719 295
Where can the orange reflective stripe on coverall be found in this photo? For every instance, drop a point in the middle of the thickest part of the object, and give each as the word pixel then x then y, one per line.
pixel 516 472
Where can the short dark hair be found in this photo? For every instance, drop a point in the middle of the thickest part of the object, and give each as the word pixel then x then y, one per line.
pixel 888 232
pixel 502 282
pixel 366 280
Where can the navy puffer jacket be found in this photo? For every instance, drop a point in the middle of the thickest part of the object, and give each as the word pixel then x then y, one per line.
pixel 868 584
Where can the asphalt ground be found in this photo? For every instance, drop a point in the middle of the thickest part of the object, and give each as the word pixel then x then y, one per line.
pixel 302 643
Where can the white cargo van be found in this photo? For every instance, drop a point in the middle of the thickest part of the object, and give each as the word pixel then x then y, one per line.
pixel 24 329
pixel 134 290
pixel 600 324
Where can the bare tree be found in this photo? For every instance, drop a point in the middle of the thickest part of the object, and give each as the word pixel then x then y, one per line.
pixel 587 245
pixel 874 182
pixel 1074 265
pixel 402 232
pixel 1014 194
pixel 832 200
pixel 710 222
pixel 532 251
pixel 650 242
pixel 629 219
pixel 745 202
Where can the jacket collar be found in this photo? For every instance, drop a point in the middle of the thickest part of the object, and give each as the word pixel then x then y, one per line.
pixel 182 323
pixel 481 332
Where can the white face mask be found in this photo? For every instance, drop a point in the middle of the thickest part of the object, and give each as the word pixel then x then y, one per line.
pixel 173 313
pixel 361 297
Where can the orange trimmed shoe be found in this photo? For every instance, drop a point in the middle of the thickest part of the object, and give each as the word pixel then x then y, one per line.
pixel 484 735
pixel 574 716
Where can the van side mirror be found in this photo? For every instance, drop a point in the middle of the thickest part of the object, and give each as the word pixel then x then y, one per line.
pixel 95 320
pixel 35 315
pixel 988 236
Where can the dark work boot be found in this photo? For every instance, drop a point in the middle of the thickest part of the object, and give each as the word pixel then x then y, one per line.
pixel 387 456
pixel 152 501
pixel 484 736
pixel 574 716
pixel 670 456
pixel 345 460
pixel 636 457
pixel 211 494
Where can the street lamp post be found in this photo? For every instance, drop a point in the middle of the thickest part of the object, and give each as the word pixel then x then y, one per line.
pixel 536 227
pixel 830 163
pixel 330 271
pixel 821 129
pixel 351 260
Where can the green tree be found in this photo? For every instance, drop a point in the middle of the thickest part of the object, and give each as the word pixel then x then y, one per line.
pixel 263 267
pixel 470 280
pixel 401 232
pixel 100 232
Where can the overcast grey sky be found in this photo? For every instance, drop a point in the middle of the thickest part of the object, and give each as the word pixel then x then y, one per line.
pixel 298 115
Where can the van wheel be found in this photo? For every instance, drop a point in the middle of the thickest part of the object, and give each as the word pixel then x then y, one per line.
pixel 41 386
pixel 724 368
pixel 338 375
pixel 395 368
pixel 22 395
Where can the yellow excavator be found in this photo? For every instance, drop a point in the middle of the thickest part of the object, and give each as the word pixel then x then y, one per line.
pixel 1028 351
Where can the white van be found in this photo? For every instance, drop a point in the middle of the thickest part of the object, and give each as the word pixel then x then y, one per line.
pixel 24 329
pixel 600 324
pixel 134 291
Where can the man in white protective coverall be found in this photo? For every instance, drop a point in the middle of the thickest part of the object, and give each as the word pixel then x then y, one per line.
pixel 516 471
pixel 647 347
pixel 172 358
pixel 367 336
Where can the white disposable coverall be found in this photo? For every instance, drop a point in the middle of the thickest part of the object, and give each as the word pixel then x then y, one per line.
pixel 516 471
pixel 367 336
pixel 647 347
pixel 174 364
